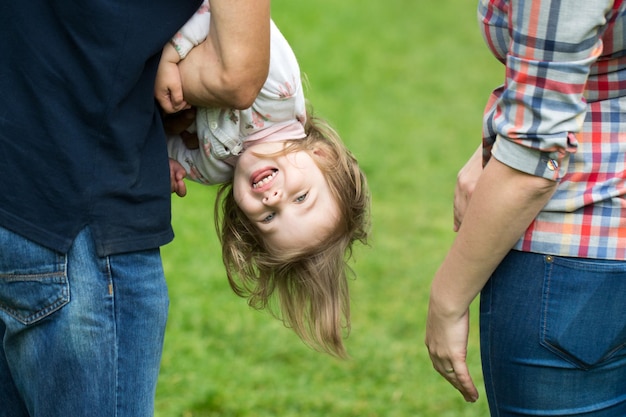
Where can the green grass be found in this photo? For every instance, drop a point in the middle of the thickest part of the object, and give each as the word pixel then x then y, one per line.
pixel 404 82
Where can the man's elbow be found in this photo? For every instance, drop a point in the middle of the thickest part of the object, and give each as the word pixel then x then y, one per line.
pixel 242 97
pixel 242 91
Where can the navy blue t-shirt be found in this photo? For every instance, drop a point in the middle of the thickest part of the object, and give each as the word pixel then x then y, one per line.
pixel 81 141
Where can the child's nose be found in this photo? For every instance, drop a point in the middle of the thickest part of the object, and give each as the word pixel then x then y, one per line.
pixel 272 197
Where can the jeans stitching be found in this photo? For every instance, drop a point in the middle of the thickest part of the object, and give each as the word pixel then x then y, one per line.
pixel 544 340
pixel 62 296
pixel 545 298
pixel 493 398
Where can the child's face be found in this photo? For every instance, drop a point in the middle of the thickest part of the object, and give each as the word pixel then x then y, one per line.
pixel 287 197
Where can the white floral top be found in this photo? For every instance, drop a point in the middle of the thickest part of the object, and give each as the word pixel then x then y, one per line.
pixel 278 113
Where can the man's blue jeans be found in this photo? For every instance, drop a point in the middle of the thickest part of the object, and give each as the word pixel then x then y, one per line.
pixel 553 337
pixel 81 335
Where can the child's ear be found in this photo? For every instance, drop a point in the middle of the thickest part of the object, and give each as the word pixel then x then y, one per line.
pixel 319 152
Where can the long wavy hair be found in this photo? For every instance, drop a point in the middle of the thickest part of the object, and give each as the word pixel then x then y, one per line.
pixel 306 289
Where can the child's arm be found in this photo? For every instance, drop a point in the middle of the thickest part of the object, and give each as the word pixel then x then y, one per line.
pixel 168 88
pixel 177 175
pixel 230 67
pixel 199 165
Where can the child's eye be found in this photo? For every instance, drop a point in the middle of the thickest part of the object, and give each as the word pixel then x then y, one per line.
pixel 302 197
pixel 269 218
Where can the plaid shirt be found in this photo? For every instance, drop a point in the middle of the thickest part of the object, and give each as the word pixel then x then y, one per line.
pixel 561 114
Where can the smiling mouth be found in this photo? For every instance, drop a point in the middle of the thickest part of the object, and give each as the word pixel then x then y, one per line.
pixel 263 178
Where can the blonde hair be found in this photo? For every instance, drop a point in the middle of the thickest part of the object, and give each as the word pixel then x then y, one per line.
pixel 310 286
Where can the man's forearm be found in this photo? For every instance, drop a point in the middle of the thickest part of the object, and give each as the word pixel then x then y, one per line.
pixel 231 66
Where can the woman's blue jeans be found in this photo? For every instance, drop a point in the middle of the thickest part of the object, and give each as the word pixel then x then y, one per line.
pixel 81 335
pixel 553 337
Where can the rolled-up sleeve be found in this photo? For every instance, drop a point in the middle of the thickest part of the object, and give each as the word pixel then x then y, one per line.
pixel 194 32
pixel 552 46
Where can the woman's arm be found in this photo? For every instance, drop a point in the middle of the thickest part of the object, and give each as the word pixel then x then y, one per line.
pixel 230 67
pixel 504 203
pixel 540 107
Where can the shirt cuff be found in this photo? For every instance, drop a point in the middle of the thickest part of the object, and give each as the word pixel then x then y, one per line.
pixel 549 165
pixel 182 46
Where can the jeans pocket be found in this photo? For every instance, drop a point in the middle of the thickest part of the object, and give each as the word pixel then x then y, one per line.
pixel 583 310
pixel 33 279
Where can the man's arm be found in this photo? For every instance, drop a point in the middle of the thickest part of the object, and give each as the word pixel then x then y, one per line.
pixel 231 66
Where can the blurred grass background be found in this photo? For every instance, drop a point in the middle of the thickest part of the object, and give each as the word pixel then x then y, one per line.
pixel 404 82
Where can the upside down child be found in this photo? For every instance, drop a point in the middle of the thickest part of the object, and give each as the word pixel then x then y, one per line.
pixel 292 198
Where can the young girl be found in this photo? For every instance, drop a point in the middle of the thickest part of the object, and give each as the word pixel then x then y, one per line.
pixel 292 199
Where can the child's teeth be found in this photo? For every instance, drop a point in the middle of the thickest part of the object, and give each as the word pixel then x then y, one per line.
pixel 264 180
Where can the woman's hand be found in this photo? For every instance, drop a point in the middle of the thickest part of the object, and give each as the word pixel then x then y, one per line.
pixel 446 339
